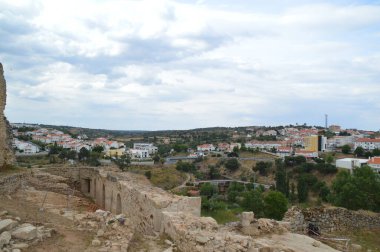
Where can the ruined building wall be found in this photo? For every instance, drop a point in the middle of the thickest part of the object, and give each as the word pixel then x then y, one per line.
pixel 6 152
pixel 151 210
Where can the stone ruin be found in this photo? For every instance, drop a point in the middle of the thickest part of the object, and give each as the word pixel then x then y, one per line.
pixel 6 152
pixel 153 211
pixel 330 219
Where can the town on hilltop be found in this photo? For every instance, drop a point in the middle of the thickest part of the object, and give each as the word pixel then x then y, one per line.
pixel 281 141
pixel 255 182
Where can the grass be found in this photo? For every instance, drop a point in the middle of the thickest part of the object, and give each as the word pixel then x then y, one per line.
pixel 223 216
pixel 166 177
pixel 368 239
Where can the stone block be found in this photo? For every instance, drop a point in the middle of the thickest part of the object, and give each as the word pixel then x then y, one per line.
pixel 5 238
pixel 28 232
pixel 7 224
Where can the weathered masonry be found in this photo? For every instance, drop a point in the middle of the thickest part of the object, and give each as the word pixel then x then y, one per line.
pixel 152 210
pixel 6 152
pixel 117 193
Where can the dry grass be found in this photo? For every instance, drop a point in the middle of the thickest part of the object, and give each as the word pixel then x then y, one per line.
pixel 368 239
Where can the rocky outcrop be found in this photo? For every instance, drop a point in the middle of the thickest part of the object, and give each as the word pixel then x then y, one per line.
pixel 6 152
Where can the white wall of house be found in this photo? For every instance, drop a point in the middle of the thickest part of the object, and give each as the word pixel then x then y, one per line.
pixel 350 163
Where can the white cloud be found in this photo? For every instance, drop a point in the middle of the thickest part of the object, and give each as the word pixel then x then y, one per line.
pixel 169 64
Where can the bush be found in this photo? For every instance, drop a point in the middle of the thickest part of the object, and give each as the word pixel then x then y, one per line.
pixel 346 149
pixel 148 174
pixel 185 166
pixel 232 164
pixel 327 168
pixel 234 190
pixel 208 190
pixel 276 205
pixel 253 201
pixel 263 167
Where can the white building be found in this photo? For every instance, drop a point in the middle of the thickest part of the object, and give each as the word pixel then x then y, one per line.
pixel 140 154
pixel 306 153
pixel 284 151
pixel 146 146
pixel 339 141
pixel 368 143
pixel 205 147
pixel 263 145
pixel 26 147
pixel 270 133
pixel 350 163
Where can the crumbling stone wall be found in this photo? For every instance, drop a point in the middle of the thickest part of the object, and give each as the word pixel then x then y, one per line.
pixel 6 152
pixel 330 219
pixel 151 210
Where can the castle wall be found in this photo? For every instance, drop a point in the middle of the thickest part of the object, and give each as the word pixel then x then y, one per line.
pixel 6 152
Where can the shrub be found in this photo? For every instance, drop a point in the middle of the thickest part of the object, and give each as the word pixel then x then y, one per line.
pixel 276 205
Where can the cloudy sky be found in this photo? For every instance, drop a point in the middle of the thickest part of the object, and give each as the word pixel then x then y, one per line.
pixel 165 64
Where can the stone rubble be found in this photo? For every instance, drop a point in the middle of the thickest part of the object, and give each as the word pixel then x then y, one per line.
pixel 17 236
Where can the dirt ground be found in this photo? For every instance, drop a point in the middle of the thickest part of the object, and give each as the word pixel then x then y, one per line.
pixel 26 205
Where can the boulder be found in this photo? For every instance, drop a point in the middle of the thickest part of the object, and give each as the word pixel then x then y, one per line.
pixel 26 232
pixel 7 224
pixel 20 246
pixel 5 238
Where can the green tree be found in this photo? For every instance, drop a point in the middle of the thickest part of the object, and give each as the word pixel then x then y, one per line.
pixel 276 205
pixel 232 164
pixel 123 162
pixel 253 200
pixel 234 190
pixel 292 196
pixel 156 158
pixel 359 190
pixel 346 149
pixel 98 148
pixel 376 152
pixel 213 172
pixel 329 159
pixel 208 190
pixel 185 166
pixel 83 154
pixel 263 167
pixel 302 189
pixel 359 151
pixel 281 184
pixel 55 149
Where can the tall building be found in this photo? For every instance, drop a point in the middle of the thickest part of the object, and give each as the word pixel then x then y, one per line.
pixel 315 143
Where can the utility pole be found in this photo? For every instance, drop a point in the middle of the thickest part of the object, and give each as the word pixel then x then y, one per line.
pixel 326 124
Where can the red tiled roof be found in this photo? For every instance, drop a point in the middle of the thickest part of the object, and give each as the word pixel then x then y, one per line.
pixel 374 160
pixel 363 140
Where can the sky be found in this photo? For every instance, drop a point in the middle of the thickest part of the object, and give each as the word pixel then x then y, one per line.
pixel 165 64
